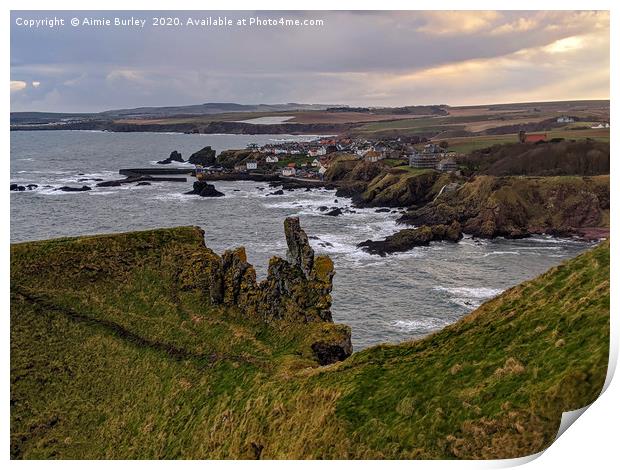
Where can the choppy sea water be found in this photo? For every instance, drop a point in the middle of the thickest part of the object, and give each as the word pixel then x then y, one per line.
pixel 383 299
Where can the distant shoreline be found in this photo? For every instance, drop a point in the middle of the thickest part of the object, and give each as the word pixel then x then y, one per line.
pixel 213 127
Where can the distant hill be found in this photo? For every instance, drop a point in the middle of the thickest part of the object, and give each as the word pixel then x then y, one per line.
pixel 32 117
pixel 213 108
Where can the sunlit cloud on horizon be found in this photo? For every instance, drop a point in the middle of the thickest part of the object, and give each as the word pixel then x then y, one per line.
pixel 371 59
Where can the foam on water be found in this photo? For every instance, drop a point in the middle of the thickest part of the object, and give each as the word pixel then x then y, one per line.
pixel 469 297
pixel 500 253
pixel 421 324
pixel 383 299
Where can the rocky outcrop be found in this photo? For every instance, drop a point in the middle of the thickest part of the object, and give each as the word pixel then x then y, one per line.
pixel 380 185
pixel 515 207
pixel 71 189
pixel 407 239
pixel 335 351
pixel 204 157
pixel 139 177
pixel 299 252
pixel 19 187
pixel 174 157
pixel 334 212
pixel 296 289
pixel 204 189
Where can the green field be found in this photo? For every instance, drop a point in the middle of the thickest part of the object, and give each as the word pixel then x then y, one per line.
pixel 117 353
pixel 469 144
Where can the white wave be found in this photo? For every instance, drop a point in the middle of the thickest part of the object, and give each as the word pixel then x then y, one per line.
pixel 101 193
pixel 495 253
pixel 421 324
pixel 469 297
pixel 472 292
pixel 555 240
pixel 180 197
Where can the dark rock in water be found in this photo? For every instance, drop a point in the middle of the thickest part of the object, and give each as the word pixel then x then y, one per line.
pixel 174 157
pixel 383 209
pixel 107 184
pixel 32 186
pixel 323 208
pixel 308 189
pixel 236 190
pixel 204 157
pixel 81 180
pixel 279 192
pixel 299 253
pixel 17 187
pixel 204 189
pixel 143 183
pixel 407 239
pixel 290 189
pixel 335 201
pixel 334 212
pixel 69 189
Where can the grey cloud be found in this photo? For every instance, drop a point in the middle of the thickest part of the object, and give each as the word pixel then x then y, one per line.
pixel 349 60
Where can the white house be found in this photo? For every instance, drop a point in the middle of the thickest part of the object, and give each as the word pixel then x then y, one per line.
pixel 252 165
pixel 279 151
pixel 317 152
pixel 315 162
pixel 322 170
pixel 288 171
pixel 601 125
pixel 272 159
pixel 565 119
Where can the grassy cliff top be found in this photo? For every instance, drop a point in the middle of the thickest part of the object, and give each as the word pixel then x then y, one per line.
pixel 114 355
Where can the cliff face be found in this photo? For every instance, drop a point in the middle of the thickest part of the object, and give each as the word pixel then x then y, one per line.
pixel 489 206
pixel 379 184
pixel 149 345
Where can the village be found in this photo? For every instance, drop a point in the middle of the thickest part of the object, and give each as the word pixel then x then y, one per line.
pixel 311 160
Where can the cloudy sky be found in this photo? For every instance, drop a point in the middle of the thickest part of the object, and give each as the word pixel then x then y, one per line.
pixel 355 58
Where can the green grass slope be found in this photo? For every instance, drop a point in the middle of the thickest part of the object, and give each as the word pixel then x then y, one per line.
pixel 111 358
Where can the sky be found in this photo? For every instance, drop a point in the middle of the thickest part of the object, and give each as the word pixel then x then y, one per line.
pixel 384 58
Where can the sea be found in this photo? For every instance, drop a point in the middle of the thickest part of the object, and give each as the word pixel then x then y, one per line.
pixel 384 300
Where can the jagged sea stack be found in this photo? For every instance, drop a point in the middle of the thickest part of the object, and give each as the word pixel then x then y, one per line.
pixel 299 252
pixel 297 290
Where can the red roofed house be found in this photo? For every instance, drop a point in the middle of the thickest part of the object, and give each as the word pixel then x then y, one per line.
pixel 531 138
